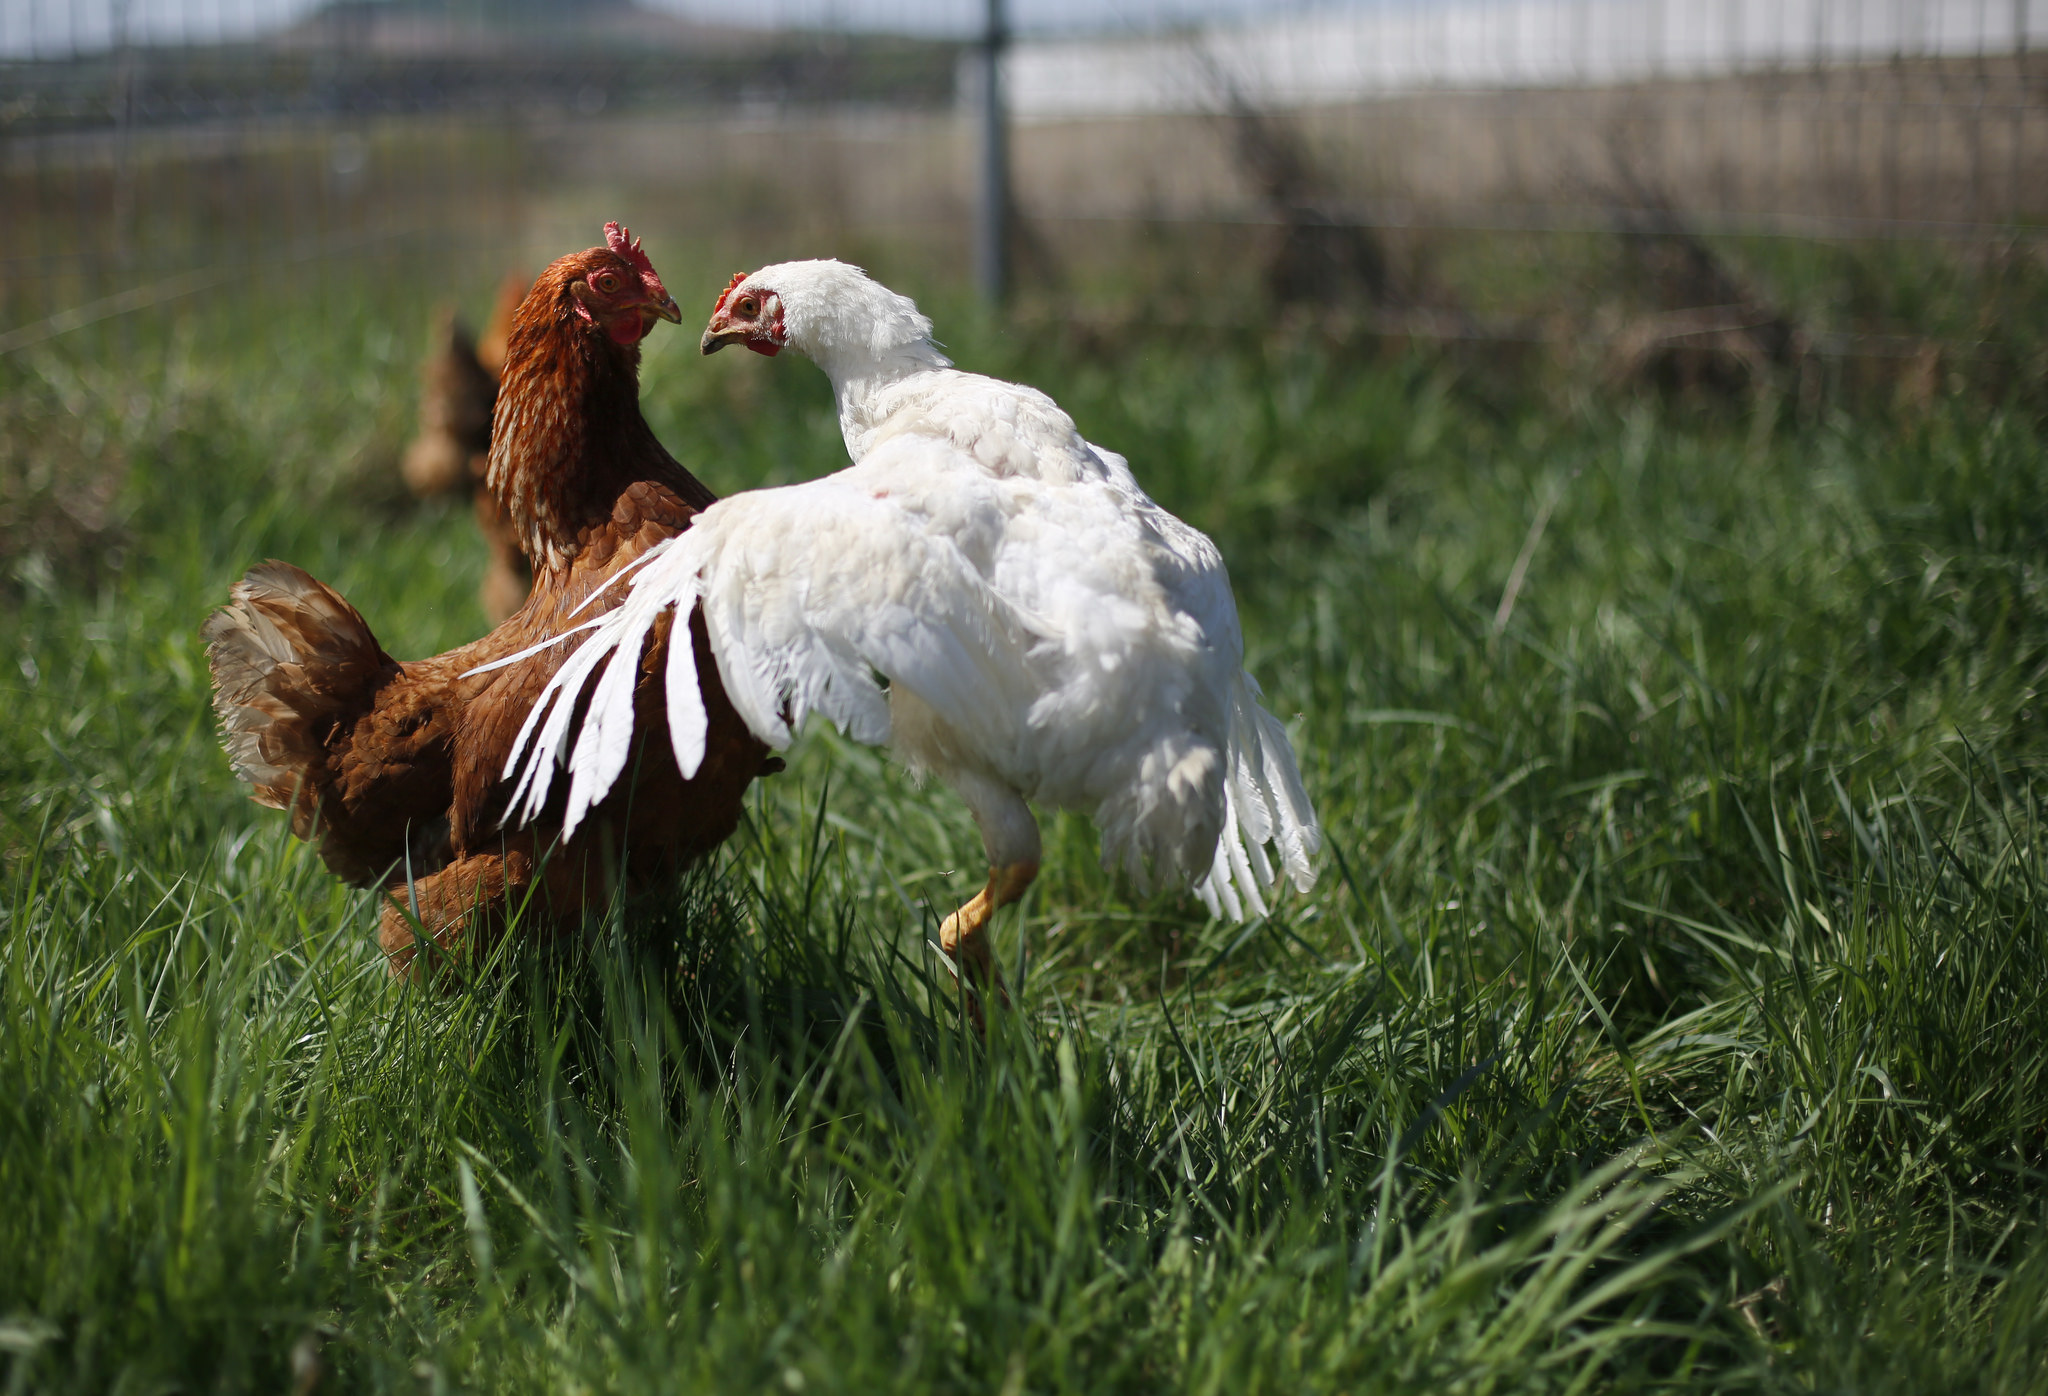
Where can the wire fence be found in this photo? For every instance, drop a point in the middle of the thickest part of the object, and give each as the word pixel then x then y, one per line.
pixel 153 149
pixel 1885 118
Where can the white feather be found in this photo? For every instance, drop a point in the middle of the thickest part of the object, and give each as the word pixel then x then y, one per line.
pixel 689 725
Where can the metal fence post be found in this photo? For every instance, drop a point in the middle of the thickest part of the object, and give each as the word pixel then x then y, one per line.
pixel 992 212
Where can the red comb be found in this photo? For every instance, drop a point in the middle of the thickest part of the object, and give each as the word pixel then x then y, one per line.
pixel 622 241
pixel 737 278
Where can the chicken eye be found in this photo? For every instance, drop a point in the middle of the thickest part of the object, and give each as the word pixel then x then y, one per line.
pixel 607 282
pixel 748 306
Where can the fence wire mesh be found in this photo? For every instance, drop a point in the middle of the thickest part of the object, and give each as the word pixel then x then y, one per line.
pixel 156 149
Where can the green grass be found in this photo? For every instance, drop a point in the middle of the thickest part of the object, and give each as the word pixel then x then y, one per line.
pixel 1672 1010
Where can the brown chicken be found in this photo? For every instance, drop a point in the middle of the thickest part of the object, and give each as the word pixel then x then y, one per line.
pixel 395 769
pixel 458 389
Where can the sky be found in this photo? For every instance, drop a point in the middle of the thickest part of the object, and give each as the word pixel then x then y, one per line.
pixel 55 28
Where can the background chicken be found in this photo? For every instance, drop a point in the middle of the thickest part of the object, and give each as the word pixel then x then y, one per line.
pixel 394 768
pixel 1046 632
pixel 451 452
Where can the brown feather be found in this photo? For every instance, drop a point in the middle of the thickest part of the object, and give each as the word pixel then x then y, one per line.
pixel 390 767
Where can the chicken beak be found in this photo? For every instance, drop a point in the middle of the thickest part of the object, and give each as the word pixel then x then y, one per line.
pixel 716 339
pixel 652 311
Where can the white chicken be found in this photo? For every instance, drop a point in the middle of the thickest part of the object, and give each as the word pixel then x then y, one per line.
pixel 983 591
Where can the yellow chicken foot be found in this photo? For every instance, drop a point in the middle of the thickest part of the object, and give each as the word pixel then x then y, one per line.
pixel 964 935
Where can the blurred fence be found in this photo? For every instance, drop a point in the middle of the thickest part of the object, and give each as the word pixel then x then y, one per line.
pixel 150 149
pixel 1878 118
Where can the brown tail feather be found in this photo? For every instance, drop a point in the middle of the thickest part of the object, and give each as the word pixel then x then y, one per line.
pixel 291 660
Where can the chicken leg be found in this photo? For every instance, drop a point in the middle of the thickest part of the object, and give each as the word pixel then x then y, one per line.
pixel 466 906
pixel 480 892
pixel 1010 836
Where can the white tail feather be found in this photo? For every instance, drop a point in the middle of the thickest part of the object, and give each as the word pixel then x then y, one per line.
pixel 1263 802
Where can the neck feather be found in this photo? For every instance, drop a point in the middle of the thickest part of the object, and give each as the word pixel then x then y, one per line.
pixel 861 376
pixel 568 433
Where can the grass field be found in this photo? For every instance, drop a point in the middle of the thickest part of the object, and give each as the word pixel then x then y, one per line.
pixel 1672 1010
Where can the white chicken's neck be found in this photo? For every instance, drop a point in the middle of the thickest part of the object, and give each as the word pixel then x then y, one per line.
pixel 862 382
pixel 869 340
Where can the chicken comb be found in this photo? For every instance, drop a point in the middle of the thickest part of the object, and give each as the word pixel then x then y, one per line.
pixel 730 287
pixel 621 240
